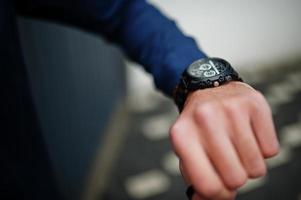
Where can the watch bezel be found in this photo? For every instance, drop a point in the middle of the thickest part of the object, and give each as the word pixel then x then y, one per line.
pixel 190 83
pixel 193 82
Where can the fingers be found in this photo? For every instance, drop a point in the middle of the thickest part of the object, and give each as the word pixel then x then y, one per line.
pixel 263 126
pixel 246 145
pixel 197 197
pixel 219 146
pixel 222 138
pixel 195 163
pixel 225 195
pixel 194 195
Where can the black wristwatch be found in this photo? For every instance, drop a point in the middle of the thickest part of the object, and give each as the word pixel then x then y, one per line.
pixel 201 74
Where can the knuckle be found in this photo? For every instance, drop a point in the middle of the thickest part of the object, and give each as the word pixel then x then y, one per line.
pixel 258 95
pixel 175 128
pixel 255 165
pixel 209 190
pixel 263 104
pixel 259 100
pixel 271 151
pixel 267 109
pixel 178 135
pixel 205 110
pixel 175 132
pixel 257 171
pixel 212 191
pixel 208 186
pixel 236 104
pixel 236 182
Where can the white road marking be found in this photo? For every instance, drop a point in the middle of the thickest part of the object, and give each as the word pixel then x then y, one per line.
pixel 252 184
pixel 170 163
pixel 291 135
pixel 252 76
pixel 283 157
pixel 295 80
pixel 279 93
pixel 283 92
pixel 143 102
pixel 157 127
pixel 148 184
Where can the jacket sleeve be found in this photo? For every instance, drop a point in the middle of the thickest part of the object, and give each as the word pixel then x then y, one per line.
pixel 146 36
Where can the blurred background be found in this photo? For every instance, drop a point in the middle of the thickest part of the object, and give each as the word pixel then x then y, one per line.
pixel 106 126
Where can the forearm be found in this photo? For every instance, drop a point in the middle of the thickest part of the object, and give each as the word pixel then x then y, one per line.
pixel 147 36
pixel 157 43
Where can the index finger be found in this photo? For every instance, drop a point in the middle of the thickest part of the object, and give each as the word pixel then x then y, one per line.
pixel 195 162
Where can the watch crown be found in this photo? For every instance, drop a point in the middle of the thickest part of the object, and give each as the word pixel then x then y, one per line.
pixel 201 74
pixel 216 83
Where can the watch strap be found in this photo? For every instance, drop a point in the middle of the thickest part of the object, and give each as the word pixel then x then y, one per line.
pixel 183 88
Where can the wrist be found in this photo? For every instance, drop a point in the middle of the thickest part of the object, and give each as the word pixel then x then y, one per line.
pixel 203 74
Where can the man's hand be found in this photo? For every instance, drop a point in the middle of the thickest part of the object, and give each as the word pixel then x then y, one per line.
pixel 222 137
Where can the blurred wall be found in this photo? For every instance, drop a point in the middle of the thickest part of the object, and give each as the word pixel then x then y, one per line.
pixel 247 33
pixel 77 81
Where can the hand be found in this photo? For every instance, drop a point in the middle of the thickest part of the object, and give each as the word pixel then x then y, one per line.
pixel 222 137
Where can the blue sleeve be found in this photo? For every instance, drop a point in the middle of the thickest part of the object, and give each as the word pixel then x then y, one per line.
pixel 147 36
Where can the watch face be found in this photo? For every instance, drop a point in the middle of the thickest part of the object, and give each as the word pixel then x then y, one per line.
pixel 206 68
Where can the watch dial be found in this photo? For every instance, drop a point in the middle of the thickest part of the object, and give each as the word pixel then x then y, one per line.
pixel 209 73
pixel 206 69
pixel 195 70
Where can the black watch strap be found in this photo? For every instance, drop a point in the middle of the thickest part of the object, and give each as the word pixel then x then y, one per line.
pixel 188 84
pixel 180 95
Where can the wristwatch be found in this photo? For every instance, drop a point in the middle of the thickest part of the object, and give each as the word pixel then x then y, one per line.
pixel 201 74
